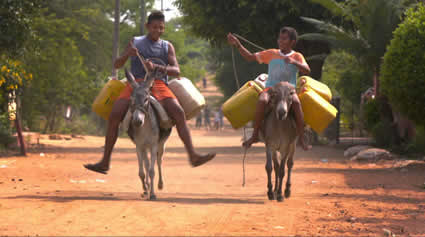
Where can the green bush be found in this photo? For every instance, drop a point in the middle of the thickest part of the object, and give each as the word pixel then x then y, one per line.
pixel 370 115
pixel 403 69
pixel 383 133
pixel 417 146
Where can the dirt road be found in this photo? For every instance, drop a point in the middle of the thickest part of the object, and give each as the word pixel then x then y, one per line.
pixel 49 193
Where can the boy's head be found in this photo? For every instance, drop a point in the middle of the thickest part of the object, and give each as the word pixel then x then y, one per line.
pixel 287 38
pixel 155 24
pixel 156 16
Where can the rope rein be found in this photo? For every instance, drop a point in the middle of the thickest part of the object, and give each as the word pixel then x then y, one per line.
pixel 238 85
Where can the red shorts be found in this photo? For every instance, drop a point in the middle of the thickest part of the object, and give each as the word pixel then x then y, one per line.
pixel 159 90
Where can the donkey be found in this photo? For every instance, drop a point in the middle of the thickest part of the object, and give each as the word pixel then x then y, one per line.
pixel 279 135
pixel 145 131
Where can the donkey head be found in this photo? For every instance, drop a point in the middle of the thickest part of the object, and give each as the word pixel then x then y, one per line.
pixel 281 99
pixel 139 100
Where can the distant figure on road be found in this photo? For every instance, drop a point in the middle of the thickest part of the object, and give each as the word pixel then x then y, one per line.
pixel 199 120
pixel 220 116
pixel 207 114
pixel 204 82
pixel 217 120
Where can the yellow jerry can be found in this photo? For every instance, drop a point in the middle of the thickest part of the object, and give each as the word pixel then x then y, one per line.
pixel 318 87
pixel 318 113
pixel 240 108
pixel 104 101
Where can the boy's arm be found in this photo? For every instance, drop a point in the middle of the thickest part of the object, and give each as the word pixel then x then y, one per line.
pixel 129 51
pixel 242 50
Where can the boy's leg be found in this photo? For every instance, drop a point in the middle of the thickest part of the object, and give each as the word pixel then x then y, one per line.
pixel 263 100
pixel 299 117
pixel 175 111
pixel 117 115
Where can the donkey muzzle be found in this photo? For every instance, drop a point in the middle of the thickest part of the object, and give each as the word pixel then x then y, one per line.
pixel 281 111
pixel 138 118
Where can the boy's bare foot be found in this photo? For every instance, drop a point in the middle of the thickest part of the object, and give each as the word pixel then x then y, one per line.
pixel 248 143
pixel 197 160
pixel 97 168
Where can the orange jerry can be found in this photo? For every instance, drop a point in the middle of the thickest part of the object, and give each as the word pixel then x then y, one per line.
pixel 104 101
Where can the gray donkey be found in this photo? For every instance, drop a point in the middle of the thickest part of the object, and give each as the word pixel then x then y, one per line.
pixel 145 131
pixel 279 135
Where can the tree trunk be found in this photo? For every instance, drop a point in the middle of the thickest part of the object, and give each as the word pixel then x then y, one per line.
pixel 19 128
pixel 142 16
pixel 116 36
pixel 376 82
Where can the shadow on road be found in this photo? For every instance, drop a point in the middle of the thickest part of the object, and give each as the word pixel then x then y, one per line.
pixel 183 198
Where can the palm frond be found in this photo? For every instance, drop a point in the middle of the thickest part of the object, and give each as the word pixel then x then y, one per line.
pixel 332 6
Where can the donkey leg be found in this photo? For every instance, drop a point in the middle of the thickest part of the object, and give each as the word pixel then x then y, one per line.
pixel 160 153
pixel 276 172
pixel 154 154
pixel 281 175
pixel 288 180
pixel 142 176
pixel 269 170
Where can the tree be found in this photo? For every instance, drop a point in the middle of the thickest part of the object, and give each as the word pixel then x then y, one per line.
pixel 15 25
pixel 367 30
pixel 403 68
pixel 260 23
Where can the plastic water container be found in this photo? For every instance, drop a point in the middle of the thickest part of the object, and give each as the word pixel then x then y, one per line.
pixel 317 86
pixel 318 113
pixel 261 80
pixel 188 96
pixel 240 108
pixel 104 101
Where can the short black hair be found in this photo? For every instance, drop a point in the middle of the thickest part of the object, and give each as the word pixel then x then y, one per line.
pixel 293 35
pixel 156 15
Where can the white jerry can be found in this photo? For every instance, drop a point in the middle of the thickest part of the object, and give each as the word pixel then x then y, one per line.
pixel 189 97
pixel 261 80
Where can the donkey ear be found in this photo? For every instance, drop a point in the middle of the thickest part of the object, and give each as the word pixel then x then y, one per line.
pixel 130 79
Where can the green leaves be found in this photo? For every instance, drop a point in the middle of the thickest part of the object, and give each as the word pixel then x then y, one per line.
pixel 403 67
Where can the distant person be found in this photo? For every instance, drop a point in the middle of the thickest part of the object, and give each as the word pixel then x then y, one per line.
pixel 207 114
pixel 204 82
pixel 199 120
pixel 217 120
pixel 220 117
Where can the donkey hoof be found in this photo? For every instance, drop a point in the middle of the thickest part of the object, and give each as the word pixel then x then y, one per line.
pixel 270 195
pixel 160 186
pixel 287 193
pixel 279 198
pixel 152 197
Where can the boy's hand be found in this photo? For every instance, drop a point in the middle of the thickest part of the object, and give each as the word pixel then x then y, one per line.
pixel 149 65
pixel 232 40
pixel 131 50
pixel 289 60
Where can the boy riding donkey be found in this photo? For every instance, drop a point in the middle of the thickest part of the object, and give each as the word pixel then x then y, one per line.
pixel 149 46
pixel 284 65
